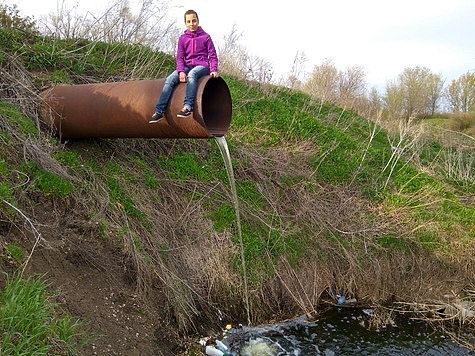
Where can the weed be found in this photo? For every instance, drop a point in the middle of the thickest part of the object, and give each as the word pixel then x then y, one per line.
pixel 68 158
pixel 17 120
pixel 185 166
pixel 49 183
pixel 223 217
pixel 16 251
pixel 28 321
pixel 3 168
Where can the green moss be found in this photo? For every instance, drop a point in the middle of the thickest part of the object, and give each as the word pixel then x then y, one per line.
pixel 120 199
pixel 50 183
pixel 429 240
pixel 102 229
pixel 150 180
pixel 5 191
pixel 6 194
pixel 61 77
pixel 149 177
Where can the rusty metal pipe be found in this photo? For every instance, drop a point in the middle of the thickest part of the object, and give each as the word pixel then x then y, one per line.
pixel 122 110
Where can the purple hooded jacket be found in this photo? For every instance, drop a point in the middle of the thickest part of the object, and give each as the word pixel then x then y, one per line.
pixel 196 48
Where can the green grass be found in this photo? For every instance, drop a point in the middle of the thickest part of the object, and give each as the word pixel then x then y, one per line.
pixel 3 168
pixel 48 183
pixel 247 190
pixel 223 217
pixel 186 166
pixel 68 158
pixel 17 121
pixel 194 166
pixel 29 323
pixel 120 199
pixel 16 251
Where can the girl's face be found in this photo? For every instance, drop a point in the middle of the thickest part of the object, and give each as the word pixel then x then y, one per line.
pixel 191 22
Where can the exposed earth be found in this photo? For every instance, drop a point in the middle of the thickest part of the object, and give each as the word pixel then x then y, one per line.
pixel 92 282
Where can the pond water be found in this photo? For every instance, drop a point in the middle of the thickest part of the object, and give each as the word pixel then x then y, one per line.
pixel 342 331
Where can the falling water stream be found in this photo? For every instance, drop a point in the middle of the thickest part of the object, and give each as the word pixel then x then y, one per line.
pixel 223 147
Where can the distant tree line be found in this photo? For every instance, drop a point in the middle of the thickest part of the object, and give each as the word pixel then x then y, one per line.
pixel 417 92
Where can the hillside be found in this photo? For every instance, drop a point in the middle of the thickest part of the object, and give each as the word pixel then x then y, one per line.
pixel 137 238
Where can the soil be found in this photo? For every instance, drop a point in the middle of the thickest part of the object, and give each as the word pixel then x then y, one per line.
pixel 92 283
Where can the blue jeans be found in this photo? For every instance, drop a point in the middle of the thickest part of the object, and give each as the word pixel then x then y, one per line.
pixel 192 76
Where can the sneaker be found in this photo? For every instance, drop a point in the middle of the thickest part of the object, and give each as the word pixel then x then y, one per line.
pixel 184 113
pixel 156 117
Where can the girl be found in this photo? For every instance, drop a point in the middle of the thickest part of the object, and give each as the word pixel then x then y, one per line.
pixel 196 57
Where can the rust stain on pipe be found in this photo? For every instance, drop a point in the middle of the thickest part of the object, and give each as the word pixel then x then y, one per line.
pixel 122 110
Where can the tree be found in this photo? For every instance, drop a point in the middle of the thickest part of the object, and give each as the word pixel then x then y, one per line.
pixel 374 103
pixel 417 91
pixel 435 88
pixel 352 86
pixel 346 88
pixel 10 18
pixel 324 82
pixel 394 100
pixel 461 93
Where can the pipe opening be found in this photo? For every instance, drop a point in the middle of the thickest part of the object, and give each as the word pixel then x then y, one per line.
pixel 216 106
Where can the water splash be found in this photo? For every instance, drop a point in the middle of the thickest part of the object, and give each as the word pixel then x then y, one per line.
pixel 223 147
pixel 345 331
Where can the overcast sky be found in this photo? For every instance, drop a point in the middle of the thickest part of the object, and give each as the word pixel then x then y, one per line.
pixel 380 36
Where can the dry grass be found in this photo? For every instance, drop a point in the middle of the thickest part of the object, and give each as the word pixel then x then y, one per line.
pixel 453 314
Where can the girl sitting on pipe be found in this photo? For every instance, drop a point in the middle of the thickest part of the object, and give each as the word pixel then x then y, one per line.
pixel 196 57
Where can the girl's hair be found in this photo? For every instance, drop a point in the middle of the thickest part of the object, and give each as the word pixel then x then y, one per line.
pixel 191 12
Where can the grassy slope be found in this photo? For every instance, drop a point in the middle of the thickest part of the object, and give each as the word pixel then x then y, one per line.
pixel 327 207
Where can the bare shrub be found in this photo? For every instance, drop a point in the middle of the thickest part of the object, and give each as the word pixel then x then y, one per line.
pixel 17 87
pixel 233 56
pixel 295 76
pixel 148 26
pixel 461 121
pixel 235 60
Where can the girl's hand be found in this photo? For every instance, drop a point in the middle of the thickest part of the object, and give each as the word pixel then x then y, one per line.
pixel 214 74
pixel 182 77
